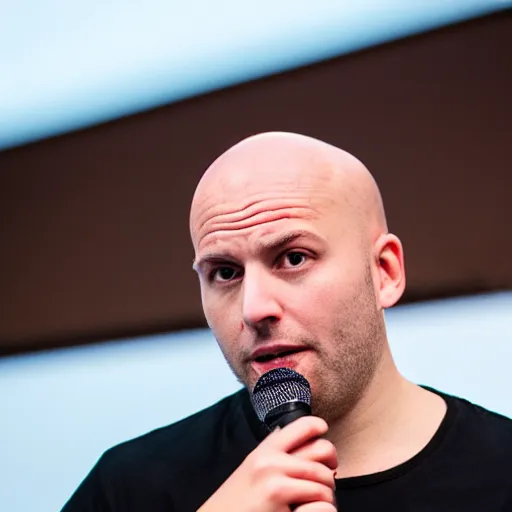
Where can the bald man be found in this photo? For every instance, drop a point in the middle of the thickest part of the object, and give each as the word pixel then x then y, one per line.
pixel 296 267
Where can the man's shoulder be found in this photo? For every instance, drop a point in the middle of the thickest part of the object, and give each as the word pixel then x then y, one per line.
pixel 475 460
pixel 482 418
pixel 481 430
pixel 173 445
pixel 161 469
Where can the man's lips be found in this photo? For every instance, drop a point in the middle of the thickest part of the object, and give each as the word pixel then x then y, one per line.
pixel 277 351
pixel 269 358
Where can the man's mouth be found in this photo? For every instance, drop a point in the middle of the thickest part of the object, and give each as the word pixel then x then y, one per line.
pixel 265 358
pixel 268 358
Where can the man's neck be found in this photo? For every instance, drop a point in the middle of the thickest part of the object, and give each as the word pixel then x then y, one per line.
pixel 393 421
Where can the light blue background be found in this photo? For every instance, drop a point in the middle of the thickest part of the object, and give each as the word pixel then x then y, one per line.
pixel 68 64
pixel 62 409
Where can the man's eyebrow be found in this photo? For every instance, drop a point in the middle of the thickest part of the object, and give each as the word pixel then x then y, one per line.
pixel 272 244
pixel 286 238
pixel 210 258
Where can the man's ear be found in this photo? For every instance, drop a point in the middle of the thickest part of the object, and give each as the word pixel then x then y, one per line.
pixel 389 260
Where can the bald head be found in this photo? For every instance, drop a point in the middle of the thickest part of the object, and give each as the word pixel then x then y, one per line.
pixel 288 164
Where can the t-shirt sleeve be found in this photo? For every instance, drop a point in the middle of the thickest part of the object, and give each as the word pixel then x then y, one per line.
pixel 90 496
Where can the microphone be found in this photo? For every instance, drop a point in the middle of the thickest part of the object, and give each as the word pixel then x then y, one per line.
pixel 281 396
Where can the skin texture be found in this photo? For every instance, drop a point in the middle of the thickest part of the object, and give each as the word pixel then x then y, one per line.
pixel 292 250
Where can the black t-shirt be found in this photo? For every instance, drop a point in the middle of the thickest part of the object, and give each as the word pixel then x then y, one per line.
pixel 467 466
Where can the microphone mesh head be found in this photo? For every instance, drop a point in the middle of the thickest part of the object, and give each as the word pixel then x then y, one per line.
pixel 277 387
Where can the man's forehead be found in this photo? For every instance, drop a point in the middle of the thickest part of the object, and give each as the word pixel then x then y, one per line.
pixel 264 218
pixel 257 214
pixel 230 190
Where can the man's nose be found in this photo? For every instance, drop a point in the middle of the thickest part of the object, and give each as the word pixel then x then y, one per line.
pixel 260 305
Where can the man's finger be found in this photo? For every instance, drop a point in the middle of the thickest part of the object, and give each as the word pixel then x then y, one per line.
pixel 317 506
pixel 319 450
pixel 297 433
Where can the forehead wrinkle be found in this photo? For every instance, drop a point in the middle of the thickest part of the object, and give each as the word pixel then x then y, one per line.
pixel 237 210
pixel 260 220
pixel 266 215
pixel 237 216
pixel 253 182
pixel 255 199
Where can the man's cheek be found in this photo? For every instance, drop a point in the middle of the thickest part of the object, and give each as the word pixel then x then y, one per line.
pixel 210 312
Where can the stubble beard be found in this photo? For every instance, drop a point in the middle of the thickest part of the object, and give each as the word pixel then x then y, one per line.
pixel 342 380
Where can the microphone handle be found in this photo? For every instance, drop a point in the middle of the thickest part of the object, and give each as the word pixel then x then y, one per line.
pixel 284 414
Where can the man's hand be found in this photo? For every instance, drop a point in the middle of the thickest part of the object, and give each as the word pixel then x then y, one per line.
pixel 291 467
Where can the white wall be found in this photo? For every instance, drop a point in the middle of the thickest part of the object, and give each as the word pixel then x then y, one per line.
pixel 60 410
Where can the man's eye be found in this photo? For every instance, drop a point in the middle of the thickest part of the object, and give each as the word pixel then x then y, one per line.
pixel 295 259
pixel 223 274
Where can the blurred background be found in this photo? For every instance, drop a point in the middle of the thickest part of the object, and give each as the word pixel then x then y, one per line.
pixel 109 114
